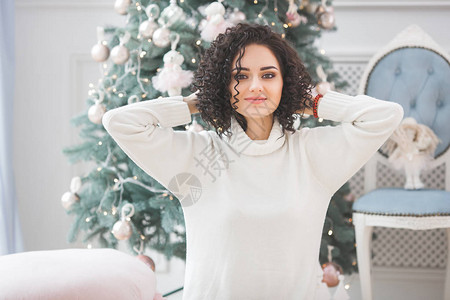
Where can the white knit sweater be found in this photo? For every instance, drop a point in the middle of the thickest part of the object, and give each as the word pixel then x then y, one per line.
pixel 254 210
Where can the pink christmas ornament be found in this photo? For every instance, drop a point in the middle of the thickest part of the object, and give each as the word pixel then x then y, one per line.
pixel 215 22
pixel 172 78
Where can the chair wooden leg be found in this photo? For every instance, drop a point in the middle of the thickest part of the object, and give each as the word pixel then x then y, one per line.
pixel 447 275
pixel 363 246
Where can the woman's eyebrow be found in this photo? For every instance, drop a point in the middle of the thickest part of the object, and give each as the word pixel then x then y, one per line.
pixel 262 69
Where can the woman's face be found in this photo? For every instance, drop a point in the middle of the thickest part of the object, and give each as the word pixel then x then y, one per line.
pixel 260 82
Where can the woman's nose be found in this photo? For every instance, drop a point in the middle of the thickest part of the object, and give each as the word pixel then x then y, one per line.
pixel 256 85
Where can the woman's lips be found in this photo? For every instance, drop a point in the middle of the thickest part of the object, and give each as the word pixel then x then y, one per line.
pixel 255 100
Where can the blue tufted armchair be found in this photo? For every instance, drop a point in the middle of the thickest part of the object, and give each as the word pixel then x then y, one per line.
pixel 413 71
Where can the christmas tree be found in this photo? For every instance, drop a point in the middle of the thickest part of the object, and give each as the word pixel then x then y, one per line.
pixel 154 55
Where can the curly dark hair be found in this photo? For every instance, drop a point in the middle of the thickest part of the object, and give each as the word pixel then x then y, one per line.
pixel 213 77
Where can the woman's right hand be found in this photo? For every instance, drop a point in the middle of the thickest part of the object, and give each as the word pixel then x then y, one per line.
pixel 192 102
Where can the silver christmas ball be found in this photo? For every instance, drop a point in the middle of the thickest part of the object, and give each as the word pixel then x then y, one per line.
pixel 68 199
pixel 122 230
pixel 326 20
pixel 100 52
pixel 147 28
pixel 121 6
pixel 323 87
pixel 120 54
pixel 171 14
pixel 161 37
pixel 96 112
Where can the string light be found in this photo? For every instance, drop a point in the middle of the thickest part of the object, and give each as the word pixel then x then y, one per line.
pixel 322 51
pixel 283 35
pixel 255 1
pixel 121 95
pixel 104 43
pixel 170 197
pixel 273 23
pixel 142 54
pixel 114 76
pixel 135 177
pixel 143 96
pixel 88 219
pixel 116 180
pixel 259 15
pixel 89 246
pixel 142 237
pixel 347 286
pixel 134 72
pixel 105 66
pixel 114 90
pixel 105 213
pixel 330 232
pixel 100 143
pixel 285 25
pixel 198 42
pixel 165 194
pixel 193 60
pixel 91 85
pixel 145 80
pixel 99 169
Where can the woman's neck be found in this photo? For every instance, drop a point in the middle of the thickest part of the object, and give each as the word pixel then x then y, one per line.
pixel 259 128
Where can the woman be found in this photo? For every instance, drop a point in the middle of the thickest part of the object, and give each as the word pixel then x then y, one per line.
pixel 255 192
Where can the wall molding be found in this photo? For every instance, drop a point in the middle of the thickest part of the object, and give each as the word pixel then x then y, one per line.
pixel 390 4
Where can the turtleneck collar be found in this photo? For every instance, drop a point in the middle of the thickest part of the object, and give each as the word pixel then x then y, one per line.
pixel 245 145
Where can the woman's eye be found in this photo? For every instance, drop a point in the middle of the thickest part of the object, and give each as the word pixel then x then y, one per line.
pixel 269 75
pixel 240 76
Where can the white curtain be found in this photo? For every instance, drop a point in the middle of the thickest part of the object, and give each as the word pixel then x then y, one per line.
pixel 10 236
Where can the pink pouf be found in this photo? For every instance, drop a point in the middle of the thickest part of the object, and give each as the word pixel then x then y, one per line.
pixel 75 274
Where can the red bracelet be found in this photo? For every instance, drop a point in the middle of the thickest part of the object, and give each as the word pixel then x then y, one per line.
pixel 316 101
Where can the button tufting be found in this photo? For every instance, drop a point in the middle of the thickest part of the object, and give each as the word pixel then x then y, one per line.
pixel 439 103
pixel 413 103
pixel 398 71
pixel 430 70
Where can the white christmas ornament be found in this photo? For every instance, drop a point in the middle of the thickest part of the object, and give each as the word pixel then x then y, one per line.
pixel 237 16
pixel 215 22
pixel 120 54
pixel 121 6
pixel 411 147
pixel 171 14
pixel 96 111
pixel 148 27
pixel 100 52
pixel 68 199
pixel 324 86
pixel 122 229
pixel 161 37
pixel 172 78
pixel 133 99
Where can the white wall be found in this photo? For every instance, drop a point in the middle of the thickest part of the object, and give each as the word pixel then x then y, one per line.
pixel 53 41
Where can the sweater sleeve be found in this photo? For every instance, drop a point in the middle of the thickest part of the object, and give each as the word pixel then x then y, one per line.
pixel 336 153
pixel 157 149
